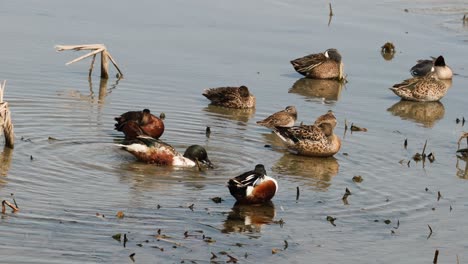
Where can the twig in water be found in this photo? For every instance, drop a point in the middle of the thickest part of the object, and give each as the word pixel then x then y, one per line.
pixel 331 10
pixel 430 229
pixel 438 196
pixel 297 193
pixel 406 143
pixel 436 256
pixel 15 209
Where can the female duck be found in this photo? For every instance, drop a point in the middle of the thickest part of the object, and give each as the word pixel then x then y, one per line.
pixel 138 123
pixel 155 151
pixel 232 97
pixel 326 65
pixel 317 140
pixel 428 88
pixel 283 118
pixel 253 187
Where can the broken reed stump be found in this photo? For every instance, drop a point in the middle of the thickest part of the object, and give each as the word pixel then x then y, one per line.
pixel 5 119
pixel 95 49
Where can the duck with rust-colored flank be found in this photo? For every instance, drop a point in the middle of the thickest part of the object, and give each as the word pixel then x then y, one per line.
pixel 253 187
pixel 232 97
pixel 139 123
pixel 283 118
pixel 317 140
pixel 155 151
pixel 428 88
pixel 437 65
pixel 325 65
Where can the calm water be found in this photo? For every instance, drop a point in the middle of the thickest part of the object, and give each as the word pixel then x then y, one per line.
pixel 77 180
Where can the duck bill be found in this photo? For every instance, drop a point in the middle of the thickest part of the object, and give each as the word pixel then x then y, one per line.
pixel 207 163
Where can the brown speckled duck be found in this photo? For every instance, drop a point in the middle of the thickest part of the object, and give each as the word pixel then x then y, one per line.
pixel 283 118
pixel 138 123
pixel 326 65
pixel 423 67
pixel 232 97
pixel 428 88
pixel 317 140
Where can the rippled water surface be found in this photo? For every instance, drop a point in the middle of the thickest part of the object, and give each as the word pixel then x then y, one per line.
pixel 70 180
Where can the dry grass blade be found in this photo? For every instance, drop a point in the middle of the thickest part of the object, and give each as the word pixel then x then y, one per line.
pixel 12 206
pixel 430 233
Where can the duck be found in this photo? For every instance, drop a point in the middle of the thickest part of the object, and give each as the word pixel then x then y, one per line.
pixel 325 65
pixel 253 187
pixel 231 97
pixel 316 140
pixel 138 123
pixel 424 67
pixel 283 118
pixel 427 88
pixel 155 151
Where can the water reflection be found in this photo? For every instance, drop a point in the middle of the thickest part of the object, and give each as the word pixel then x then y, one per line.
pixel 425 113
pixel 329 90
pixel 5 163
pixel 248 218
pixel 320 170
pixel 462 173
pixel 242 115
pixel 91 97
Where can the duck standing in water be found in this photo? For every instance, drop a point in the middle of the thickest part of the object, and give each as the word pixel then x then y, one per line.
pixel 154 151
pixel 437 65
pixel 283 118
pixel 139 123
pixel 428 88
pixel 326 65
pixel 231 97
pixel 317 140
pixel 253 187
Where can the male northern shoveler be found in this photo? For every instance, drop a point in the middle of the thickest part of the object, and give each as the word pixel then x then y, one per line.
pixel 423 67
pixel 155 151
pixel 428 88
pixel 283 118
pixel 253 187
pixel 317 140
pixel 137 123
pixel 326 65
pixel 232 97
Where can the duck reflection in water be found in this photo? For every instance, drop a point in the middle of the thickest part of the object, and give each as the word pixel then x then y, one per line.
pixel 462 155
pixel 247 218
pixel 328 90
pixel 425 113
pixel 242 115
pixel 317 171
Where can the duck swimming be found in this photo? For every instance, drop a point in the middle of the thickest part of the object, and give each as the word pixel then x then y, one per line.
pixel 325 65
pixel 231 97
pixel 283 118
pixel 138 123
pixel 424 67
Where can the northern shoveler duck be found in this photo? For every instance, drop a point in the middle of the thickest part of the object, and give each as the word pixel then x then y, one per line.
pixel 232 97
pixel 253 187
pixel 283 118
pixel 428 88
pixel 326 65
pixel 137 123
pixel 154 151
pixel 437 65
pixel 317 140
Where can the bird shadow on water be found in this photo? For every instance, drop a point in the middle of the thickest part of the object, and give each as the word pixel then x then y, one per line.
pixel 245 218
pixel 327 91
pixel 242 115
pixel 424 113
pixel 314 171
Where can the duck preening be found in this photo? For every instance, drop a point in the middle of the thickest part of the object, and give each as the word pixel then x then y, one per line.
pixel 231 97
pixel 325 65
pixel 253 187
pixel 139 123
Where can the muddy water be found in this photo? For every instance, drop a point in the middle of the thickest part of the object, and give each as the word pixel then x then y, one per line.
pixel 70 180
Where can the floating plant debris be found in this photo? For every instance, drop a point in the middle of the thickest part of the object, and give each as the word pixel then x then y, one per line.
pixel 217 199
pixel 357 179
pixel 331 220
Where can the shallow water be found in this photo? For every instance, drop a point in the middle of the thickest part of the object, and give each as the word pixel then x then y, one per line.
pixel 70 180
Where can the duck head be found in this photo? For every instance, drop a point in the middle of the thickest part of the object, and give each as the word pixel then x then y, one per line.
pixel 198 153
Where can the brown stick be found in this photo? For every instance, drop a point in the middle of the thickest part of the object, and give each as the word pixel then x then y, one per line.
pixel 104 64
pixel 92 65
pixel 331 10
pixel 12 206
pixel 5 119
pixel 436 256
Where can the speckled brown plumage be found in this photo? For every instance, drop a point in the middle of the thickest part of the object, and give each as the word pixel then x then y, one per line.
pixel 283 118
pixel 326 65
pixel 232 97
pixel 422 89
pixel 316 140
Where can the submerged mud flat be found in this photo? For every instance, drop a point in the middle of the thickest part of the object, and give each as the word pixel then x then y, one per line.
pixel 70 180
